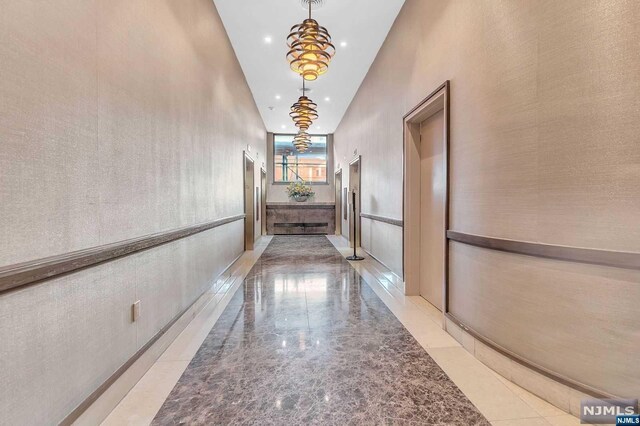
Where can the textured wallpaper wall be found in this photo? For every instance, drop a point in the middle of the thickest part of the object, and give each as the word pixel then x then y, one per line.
pixel 545 113
pixel 118 119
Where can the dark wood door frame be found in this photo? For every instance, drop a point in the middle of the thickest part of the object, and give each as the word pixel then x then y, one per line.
pixel 249 208
pixel 263 201
pixel 338 201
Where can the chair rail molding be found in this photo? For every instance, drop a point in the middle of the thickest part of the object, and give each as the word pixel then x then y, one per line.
pixel 31 272
pixel 389 220
pixel 618 259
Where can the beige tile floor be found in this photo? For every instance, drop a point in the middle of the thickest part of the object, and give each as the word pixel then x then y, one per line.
pixel 502 402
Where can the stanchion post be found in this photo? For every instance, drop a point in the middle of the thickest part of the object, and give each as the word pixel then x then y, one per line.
pixel 355 229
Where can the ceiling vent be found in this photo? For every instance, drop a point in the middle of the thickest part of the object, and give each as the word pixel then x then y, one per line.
pixel 315 4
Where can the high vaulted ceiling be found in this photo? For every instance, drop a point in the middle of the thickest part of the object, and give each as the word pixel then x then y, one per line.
pixel 258 30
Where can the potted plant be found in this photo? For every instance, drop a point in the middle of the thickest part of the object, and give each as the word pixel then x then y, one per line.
pixel 299 191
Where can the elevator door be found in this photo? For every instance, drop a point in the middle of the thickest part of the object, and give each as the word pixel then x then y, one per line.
pixel 338 200
pixel 432 208
pixel 263 202
pixel 249 208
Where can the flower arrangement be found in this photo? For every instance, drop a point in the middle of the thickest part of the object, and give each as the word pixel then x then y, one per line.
pixel 299 191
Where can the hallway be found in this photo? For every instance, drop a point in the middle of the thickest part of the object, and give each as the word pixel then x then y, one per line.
pixel 311 343
pixel 296 212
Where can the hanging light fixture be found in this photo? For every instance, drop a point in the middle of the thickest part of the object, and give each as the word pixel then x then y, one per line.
pixel 302 141
pixel 310 48
pixel 302 138
pixel 302 148
pixel 304 112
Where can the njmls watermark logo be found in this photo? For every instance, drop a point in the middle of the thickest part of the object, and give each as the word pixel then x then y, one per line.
pixel 609 411
pixel 630 419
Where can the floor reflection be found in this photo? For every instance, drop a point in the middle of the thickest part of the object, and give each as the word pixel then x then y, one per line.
pixel 306 341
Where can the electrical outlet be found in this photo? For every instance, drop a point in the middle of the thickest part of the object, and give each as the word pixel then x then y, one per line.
pixel 135 311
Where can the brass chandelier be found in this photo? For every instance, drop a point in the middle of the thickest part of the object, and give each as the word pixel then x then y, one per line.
pixel 304 112
pixel 310 51
pixel 302 141
pixel 310 48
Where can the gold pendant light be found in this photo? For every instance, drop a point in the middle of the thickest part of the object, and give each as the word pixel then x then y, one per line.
pixel 302 141
pixel 304 112
pixel 310 48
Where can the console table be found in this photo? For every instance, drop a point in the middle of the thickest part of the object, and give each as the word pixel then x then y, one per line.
pixel 301 218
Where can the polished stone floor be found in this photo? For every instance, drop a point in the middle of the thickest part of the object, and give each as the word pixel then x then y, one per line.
pixel 306 341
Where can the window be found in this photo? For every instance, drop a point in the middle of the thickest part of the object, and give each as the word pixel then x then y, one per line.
pixel 291 165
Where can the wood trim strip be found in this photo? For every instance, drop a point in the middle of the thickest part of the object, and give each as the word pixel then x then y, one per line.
pixel 618 259
pixel 300 224
pixel 396 222
pixel 538 369
pixel 27 273
pixel 301 206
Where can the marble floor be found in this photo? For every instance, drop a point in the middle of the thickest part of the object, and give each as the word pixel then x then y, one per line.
pixel 307 342
pixel 327 342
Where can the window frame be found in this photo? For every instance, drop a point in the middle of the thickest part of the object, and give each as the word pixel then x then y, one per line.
pixel 273 162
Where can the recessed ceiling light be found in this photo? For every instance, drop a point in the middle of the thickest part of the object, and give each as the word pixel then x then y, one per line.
pixel 277 96
pixel 327 99
pixel 268 39
pixel 283 126
pixel 343 44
